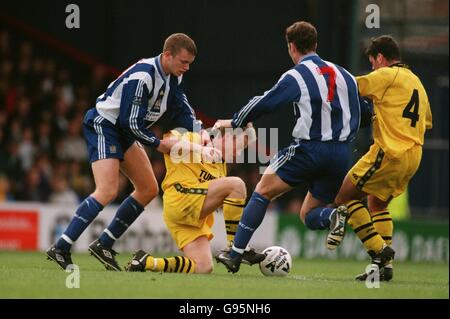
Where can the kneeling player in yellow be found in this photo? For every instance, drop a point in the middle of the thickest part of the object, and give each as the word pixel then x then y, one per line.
pixel 193 189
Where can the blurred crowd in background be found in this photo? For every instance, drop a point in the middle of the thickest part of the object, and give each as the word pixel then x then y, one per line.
pixel 43 155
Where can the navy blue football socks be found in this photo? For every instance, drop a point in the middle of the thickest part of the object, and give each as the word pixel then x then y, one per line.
pixel 252 217
pixel 129 210
pixel 84 215
pixel 318 218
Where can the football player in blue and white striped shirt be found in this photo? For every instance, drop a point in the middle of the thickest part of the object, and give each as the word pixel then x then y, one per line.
pixel 114 130
pixel 327 116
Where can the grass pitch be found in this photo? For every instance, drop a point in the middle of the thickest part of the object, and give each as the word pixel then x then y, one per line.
pixel 30 275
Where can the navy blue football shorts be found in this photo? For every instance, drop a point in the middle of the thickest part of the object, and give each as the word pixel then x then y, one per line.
pixel 322 165
pixel 104 139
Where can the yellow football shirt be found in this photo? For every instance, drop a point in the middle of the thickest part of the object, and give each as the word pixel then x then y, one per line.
pixel 401 108
pixel 189 170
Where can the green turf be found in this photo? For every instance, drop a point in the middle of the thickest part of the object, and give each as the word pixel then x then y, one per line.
pixel 29 275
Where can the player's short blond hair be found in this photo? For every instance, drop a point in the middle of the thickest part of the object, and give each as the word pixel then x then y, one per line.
pixel 177 41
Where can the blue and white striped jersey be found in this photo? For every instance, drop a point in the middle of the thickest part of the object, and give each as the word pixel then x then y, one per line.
pixel 140 96
pixel 325 98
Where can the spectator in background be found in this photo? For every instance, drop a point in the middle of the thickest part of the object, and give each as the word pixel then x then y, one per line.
pixel 5 194
pixel 27 149
pixel 73 145
pixel 67 93
pixel 62 194
pixel 36 187
pixel 13 169
pixel 43 137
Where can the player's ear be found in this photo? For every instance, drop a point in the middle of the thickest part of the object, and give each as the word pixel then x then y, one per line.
pixel 290 47
pixel 380 58
pixel 167 54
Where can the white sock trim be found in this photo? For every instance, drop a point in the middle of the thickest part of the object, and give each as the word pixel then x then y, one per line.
pixel 67 239
pixel 238 250
pixel 155 263
pixel 107 232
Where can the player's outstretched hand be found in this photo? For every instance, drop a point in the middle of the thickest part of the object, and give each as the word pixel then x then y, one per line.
pixel 222 124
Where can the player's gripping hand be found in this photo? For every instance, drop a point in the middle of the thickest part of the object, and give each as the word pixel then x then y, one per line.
pixel 251 133
pixel 211 155
pixel 206 139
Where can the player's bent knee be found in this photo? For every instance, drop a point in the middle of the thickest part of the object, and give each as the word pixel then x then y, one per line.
pixel 239 187
pixel 105 196
pixel 243 188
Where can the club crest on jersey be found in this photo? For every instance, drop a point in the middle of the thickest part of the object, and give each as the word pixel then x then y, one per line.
pixel 154 112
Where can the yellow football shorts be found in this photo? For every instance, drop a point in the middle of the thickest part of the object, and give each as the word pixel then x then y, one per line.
pixel 384 176
pixel 181 212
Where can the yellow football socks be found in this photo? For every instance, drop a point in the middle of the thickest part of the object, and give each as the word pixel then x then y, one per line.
pixel 232 212
pixel 179 264
pixel 382 221
pixel 360 221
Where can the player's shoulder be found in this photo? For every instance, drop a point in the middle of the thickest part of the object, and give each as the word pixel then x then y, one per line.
pixel 145 64
pixel 381 75
pixel 144 69
pixel 385 71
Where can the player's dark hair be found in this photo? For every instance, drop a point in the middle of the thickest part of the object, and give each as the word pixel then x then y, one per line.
pixel 177 41
pixel 386 45
pixel 304 36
